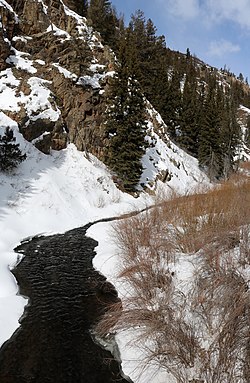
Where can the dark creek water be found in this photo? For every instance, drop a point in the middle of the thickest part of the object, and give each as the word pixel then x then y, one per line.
pixel 66 298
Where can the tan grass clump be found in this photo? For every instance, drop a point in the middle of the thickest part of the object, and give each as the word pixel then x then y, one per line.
pixel 206 330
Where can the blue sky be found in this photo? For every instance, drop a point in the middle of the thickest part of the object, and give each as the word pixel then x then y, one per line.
pixel 216 31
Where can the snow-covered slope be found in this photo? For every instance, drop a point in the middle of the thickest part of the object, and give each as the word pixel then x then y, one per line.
pixel 63 190
pixel 165 164
pixel 243 152
pixel 67 188
pixel 49 194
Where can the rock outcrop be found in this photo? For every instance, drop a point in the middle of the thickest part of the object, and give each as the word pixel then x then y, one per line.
pixel 46 44
pixel 7 26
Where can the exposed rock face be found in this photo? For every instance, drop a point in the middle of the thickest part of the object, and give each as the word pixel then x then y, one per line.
pixel 50 46
pixel 7 25
pixel 4 52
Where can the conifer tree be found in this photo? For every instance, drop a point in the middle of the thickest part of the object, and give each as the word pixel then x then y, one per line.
pixel 210 145
pixel 138 29
pixel 125 125
pixel 230 136
pixel 173 106
pixel 247 133
pixel 104 20
pixel 162 96
pixel 10 154
pixel 148 61
pixel 83 7
pixel 189 113
pixel 151 52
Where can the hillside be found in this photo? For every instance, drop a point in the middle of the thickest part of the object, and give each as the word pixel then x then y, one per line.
pixel 56 72
pixel 56 97
pixel 56 77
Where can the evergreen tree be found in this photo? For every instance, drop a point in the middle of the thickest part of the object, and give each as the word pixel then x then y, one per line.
pixel 188 54
pixel 230 136
pixel 189 113
pixel 138 29
pixel 210 148
pixel 247 133
pixel 83 7
pixel 151 53
pixel 10 154
pixel 125 125
pixel 103 19
pixel 162 96
pixel 173 106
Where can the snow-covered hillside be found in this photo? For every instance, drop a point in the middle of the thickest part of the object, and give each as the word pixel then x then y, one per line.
pixel 49 194
pixel 69 188
pixel 66 189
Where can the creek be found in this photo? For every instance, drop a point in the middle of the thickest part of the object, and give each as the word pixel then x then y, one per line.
pixel 67 296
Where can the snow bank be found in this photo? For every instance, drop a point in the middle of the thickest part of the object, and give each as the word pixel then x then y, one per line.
pixel 107 261
pixel 49 194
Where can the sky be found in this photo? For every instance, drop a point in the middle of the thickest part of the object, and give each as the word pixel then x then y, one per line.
pixel 216 31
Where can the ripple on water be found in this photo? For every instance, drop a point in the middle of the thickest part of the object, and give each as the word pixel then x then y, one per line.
pixel 66 297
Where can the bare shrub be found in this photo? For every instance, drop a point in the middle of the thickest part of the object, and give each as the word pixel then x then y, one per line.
pixel 221 305
pixel 202 335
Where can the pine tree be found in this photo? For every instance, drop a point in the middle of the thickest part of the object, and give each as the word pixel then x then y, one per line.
pixel 188 54
pixel 210 145
pixel 162 96
pixel 189 113
pixel 138 29
pixel 151 52
pixel 103 19
pixel 82 7
pixel 247 133
pixel 230 136
pixel 125 125
pixel 10 154
pixel 173 106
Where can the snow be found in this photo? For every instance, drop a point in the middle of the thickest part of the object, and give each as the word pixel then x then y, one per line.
pixel 92 81
pixel 67 189
pixel 37 102
pixel 96 67
pixel 45 7
pixel 65 72
pixel 21 62
pixel 73 14
pixel 49 194
pixel 245 109
pixel 8 84
pixel 57 31
pixel 4 3
pixel 83 30
pixel 108 262
pixel 22 38
pixel 40 62
pixel 180 169
pixel 243 152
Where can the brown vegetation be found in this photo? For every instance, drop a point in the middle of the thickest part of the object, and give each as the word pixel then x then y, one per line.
pixel 201 332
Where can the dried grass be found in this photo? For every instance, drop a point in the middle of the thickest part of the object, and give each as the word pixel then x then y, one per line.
pixel 213 224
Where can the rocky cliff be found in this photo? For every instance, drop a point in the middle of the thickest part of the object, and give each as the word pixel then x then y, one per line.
pixel 58 67
pixel 54 74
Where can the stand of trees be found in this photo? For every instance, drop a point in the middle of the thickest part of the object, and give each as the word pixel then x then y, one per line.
pixel 199 112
